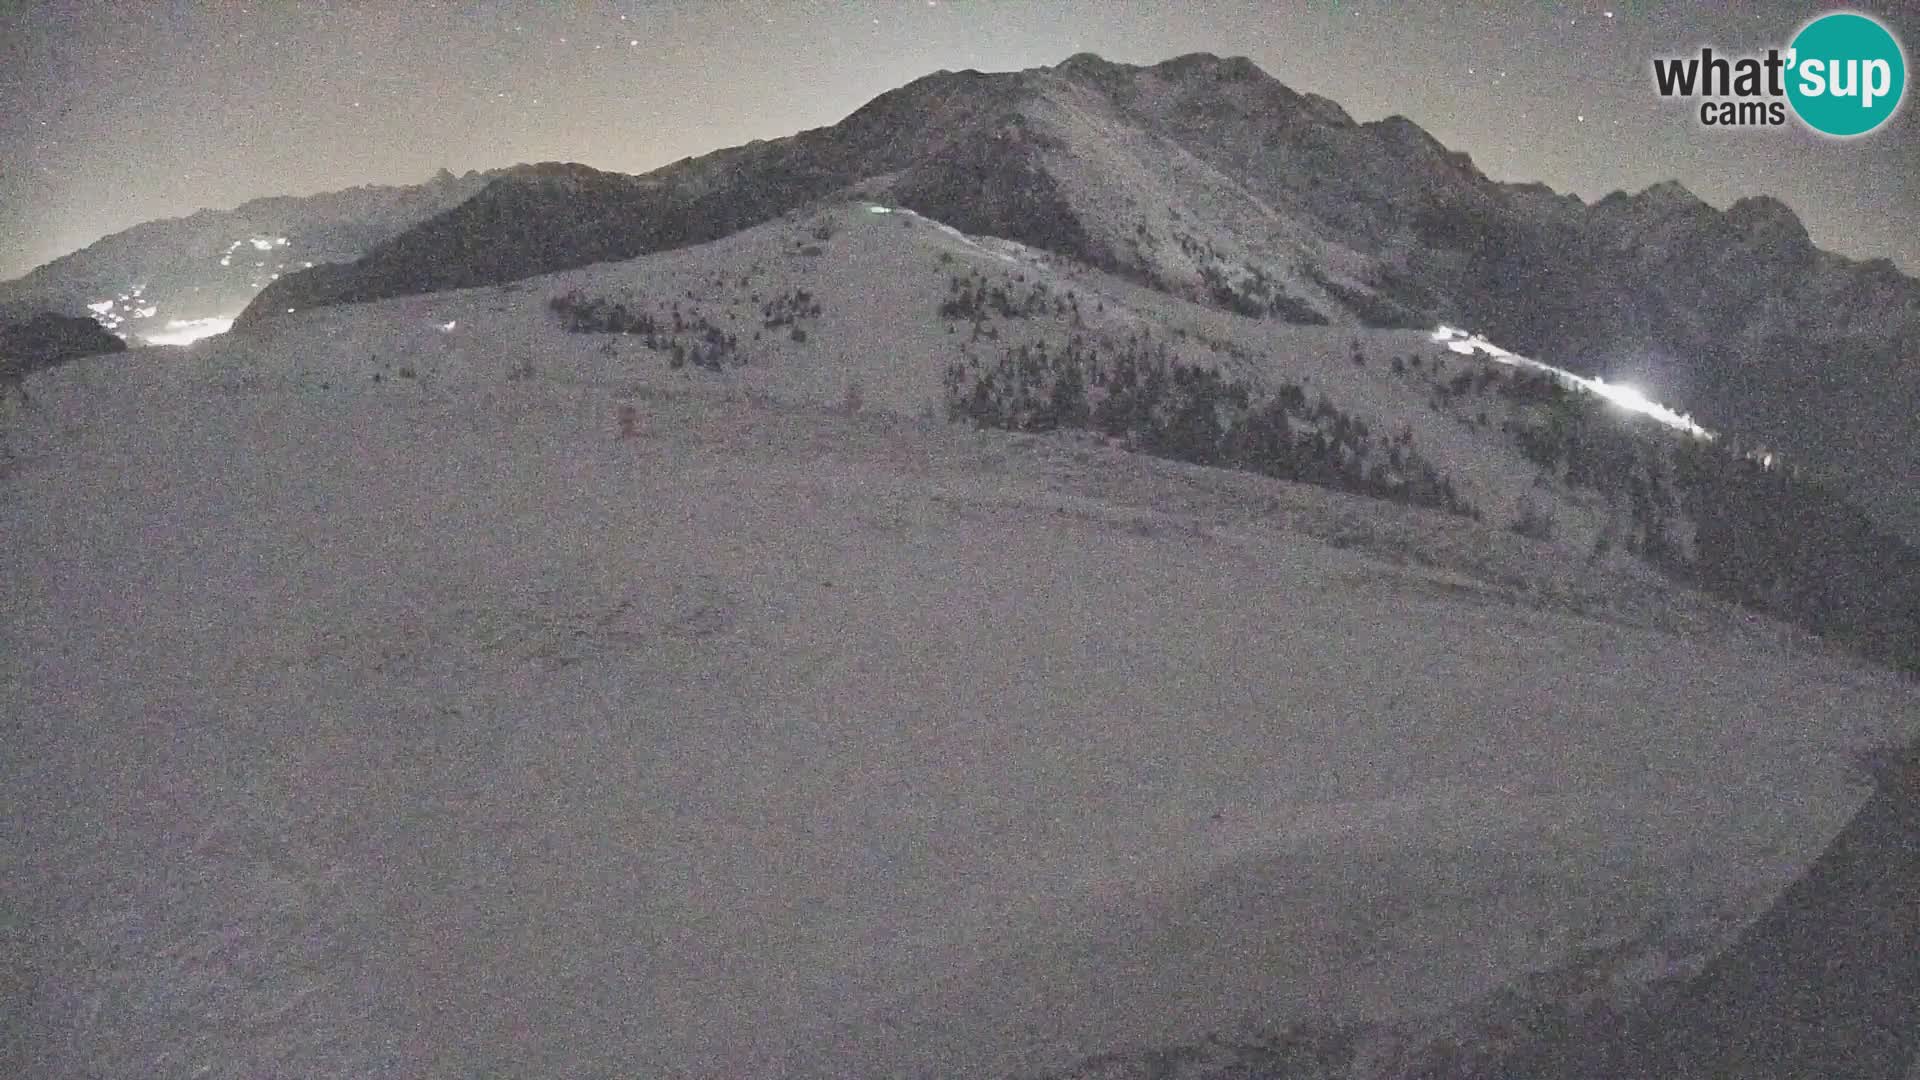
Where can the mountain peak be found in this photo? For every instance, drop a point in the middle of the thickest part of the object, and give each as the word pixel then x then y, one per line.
pixel 1773 232
pixel 1087 61
pixel 1186 66
pixel 1767 216
pixel 1670 193
pixel 1229 68
pixel 1418 143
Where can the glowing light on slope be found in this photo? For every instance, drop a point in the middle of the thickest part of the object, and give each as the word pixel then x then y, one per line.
pixel 1631 399
pixel 447 327
pixel 262 245
pixel 1625 396
pixel 187 331
pixel 949 231
pixel 101 308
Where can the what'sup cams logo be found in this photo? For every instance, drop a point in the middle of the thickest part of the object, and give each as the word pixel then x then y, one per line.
pixel 1843 75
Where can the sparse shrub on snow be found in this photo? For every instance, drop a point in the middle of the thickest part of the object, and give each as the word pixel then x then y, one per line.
pixel 684 336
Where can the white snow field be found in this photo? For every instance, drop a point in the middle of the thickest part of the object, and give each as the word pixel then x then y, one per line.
pixel 428 728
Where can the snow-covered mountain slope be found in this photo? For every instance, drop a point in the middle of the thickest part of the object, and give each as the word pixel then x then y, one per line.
pixel 420 688
pixel 900 299
pixel 1206 178
pixel 879 277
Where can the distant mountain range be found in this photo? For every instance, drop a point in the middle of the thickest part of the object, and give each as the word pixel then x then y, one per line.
pixel 208 266
pixel 1201 176
pixel 1205 177
pixel 671 445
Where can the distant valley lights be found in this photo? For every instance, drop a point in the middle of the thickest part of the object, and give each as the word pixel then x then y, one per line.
pixel 187 331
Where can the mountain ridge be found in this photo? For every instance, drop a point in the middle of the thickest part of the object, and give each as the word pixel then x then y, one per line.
pixel 1205 177
pixel 210 263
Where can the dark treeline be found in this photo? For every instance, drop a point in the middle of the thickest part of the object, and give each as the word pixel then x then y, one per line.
pixel 1140 392
pixel 1765 538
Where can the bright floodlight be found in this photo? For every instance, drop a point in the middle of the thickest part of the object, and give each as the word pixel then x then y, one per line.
pixel 1625 396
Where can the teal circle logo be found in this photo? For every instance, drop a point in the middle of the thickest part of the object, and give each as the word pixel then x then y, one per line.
pixel 1847 74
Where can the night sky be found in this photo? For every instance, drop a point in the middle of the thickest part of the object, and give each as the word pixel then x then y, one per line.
pixel 114 113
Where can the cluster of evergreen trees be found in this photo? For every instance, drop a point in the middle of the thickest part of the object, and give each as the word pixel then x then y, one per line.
pixel 973 298
pixel 1192 413
pixel 1768 539
pixel 1258 297
pixel 1785 545
pixel 597 315
pixel 684 337
pixel 1372 308
pixel 1587 442
pixel 788 308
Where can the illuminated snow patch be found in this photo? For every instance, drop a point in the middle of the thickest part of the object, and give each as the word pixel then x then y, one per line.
pixel 146 312
pixel 187 331
pixel 226 260
pixel 101 308
pixel 262 245
pixel 958 235
pixel 1623 395
pixel 879 210
pixel 1620 394
pixel 447 327
pixel 1468 344
pixel 1633 400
